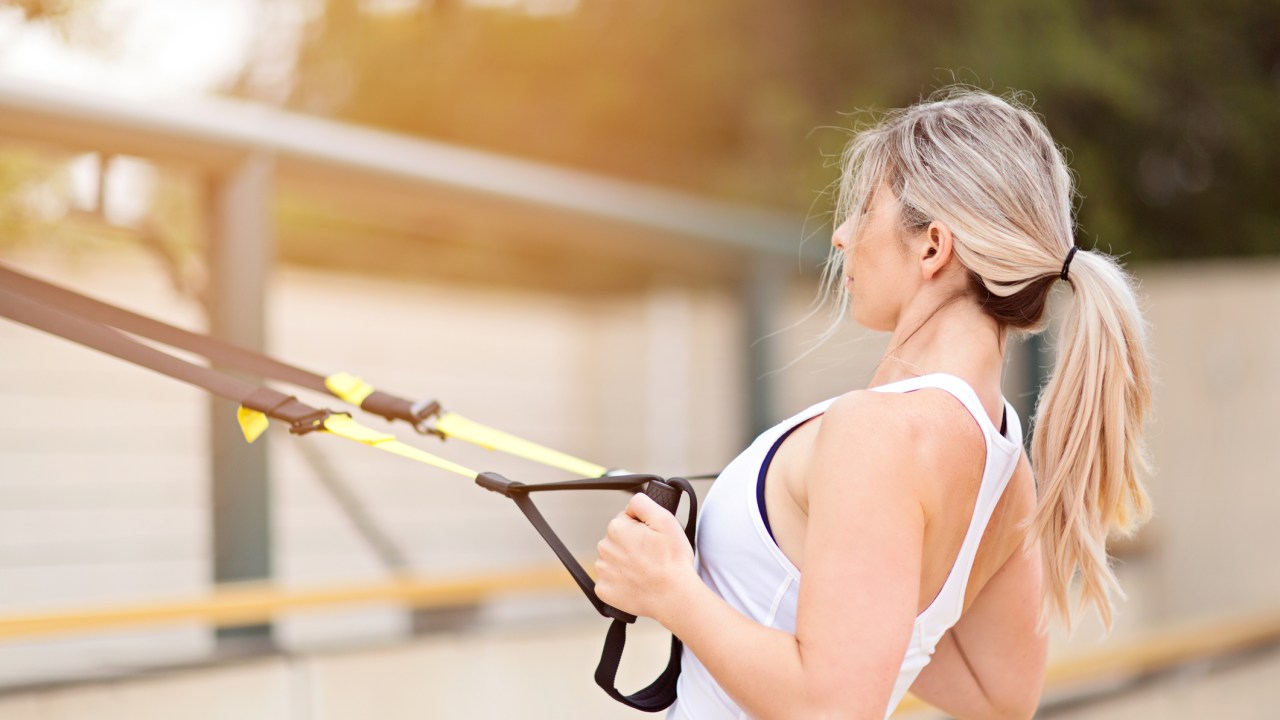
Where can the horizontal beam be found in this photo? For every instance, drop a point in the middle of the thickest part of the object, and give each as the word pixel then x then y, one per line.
pixel 404 176
pixel 1157 652
pixel 1168 649
pixel 240 604
pixel 250 603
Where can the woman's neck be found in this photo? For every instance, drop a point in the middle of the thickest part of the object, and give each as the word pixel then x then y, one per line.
pixel 944 335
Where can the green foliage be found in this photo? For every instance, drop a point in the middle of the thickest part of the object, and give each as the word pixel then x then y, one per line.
pixel 1167 108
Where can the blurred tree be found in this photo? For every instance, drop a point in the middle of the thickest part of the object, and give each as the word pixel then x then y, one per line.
pixel 1166 107
pixel 43 9
pixel 39 202
pixel 34 186
pixel 23 175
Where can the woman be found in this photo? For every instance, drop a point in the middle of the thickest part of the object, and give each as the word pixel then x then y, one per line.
pixel 909 509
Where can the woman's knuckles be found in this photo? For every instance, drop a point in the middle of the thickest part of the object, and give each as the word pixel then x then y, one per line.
pixel 618 524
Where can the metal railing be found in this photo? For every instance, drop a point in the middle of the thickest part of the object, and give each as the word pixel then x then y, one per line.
pixel 240 604
pixel 253 603
pixel 1072 680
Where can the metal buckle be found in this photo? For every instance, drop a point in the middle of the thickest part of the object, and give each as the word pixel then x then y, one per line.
pixel 423 412
pixel 309 423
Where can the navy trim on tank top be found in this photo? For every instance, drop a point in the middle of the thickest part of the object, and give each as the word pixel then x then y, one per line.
pixel 764 470
pixel 768 460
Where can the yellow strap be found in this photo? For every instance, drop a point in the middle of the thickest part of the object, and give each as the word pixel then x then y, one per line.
pixel 344 426
pixel 354 390
pixel 455 426
pixel 348 387
pixel 252 423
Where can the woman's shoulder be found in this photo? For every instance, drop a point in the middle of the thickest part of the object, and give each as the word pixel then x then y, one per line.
pixel 928 430
pixel 925 419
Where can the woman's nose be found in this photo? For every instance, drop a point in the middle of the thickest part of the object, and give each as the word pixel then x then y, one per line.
pixel 840 238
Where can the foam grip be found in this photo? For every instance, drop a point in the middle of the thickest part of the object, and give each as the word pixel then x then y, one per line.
pixel 663 494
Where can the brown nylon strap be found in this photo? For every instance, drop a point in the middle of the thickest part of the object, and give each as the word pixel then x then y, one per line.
pixel 113 342
pixel 89 333
pixel 397 408
pixel 219 352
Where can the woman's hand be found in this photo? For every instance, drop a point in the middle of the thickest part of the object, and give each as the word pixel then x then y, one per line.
pixel 644 560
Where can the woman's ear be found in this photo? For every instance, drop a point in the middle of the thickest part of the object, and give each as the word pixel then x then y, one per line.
pixel 935 251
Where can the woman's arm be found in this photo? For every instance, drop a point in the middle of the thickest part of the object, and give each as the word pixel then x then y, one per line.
pixel 861 572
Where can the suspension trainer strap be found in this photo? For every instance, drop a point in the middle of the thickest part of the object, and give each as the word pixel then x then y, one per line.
pixel 256 403
pixel 301 417
pixel 105 328
pixel 342 425
pixel 452 425
pixel 220 352
pixel 659 694
pixel 344 386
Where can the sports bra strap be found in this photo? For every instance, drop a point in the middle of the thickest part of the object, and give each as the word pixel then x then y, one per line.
pixel 959 389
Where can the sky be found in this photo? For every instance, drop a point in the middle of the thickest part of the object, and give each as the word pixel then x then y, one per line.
pixel 146 48
pixel 158 48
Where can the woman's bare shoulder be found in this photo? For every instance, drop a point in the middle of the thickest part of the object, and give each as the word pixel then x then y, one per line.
pixel 927 411
pixel 930 428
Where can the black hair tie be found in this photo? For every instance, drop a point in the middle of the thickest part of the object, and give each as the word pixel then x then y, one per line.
pixel 1066 265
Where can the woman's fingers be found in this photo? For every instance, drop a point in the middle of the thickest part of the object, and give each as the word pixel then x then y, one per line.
pixel 644 509
pixel 643 547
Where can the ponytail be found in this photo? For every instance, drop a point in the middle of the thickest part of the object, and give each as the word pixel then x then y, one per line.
pixel 1087 449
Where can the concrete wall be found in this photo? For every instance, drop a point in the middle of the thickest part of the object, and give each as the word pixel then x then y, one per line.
pixel 1214 439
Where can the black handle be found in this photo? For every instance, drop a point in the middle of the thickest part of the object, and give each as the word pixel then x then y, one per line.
pixel 669 498
pixel 661 692
pixel 663 494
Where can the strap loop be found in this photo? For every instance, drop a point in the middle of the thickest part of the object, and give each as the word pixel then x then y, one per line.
pixel 302 418
pixel 348 387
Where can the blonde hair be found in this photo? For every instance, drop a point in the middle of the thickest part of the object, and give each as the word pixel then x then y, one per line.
pixel 987 168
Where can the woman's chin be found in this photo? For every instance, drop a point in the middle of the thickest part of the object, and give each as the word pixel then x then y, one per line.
pixel 870 323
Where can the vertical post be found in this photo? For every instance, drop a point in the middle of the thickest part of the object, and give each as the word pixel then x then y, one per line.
pixel 765 293
pixel 239 254
pixel 670 342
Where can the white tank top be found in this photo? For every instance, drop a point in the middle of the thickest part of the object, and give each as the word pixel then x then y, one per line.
pixel 739 560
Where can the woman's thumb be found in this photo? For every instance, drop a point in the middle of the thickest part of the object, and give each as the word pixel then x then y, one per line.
pixel 646 510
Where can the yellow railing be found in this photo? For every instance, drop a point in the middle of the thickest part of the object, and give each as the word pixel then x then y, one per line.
pixel 253 603
pixel 1161 651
